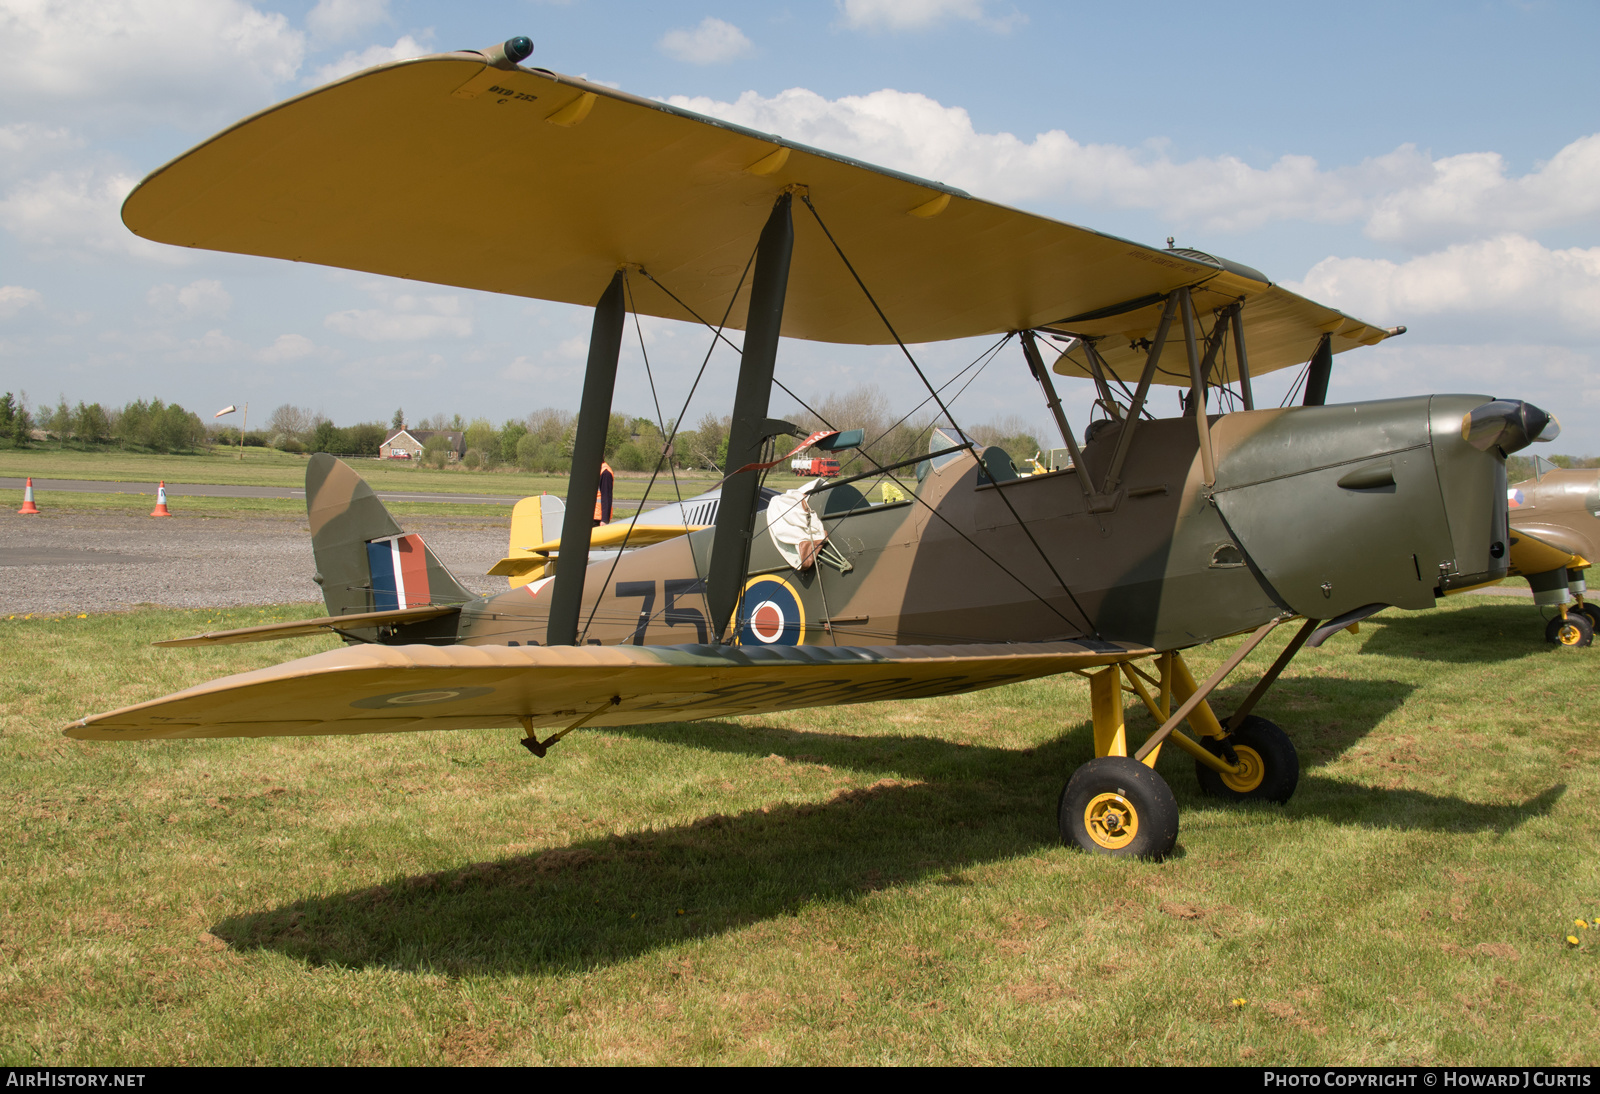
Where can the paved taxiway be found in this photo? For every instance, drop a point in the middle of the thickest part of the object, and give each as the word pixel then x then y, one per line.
pixel 100 561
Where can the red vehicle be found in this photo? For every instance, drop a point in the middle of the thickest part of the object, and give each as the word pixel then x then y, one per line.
pixel 814 465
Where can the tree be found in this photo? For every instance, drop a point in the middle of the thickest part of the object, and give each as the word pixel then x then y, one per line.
pixel 10 410
pixel 91 424
pixel 707 446
pixel 482 436
pixel 436 451
pixel 399 419
pixel 510 433
pixel 61 421
pixel 290 419
pixel 1010 433
pixel 328 438
pixel 364 438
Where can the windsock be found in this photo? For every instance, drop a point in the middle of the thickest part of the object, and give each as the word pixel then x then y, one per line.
pixel 161 509
pixel 28 508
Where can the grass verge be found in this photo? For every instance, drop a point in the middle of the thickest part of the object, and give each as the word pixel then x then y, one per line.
pixel 865 884
pixel 193 506
pixel 268 467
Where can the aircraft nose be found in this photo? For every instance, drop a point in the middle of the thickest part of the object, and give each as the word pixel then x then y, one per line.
pixel 1509 424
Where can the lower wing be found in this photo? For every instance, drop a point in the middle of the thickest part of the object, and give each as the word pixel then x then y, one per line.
pixel 328 624
pixel 1535 552
pixel 393 689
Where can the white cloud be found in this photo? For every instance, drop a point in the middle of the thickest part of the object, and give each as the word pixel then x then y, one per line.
pixel 1403 197
pixel 1525 290
pixel 336 20
pixel 13 298
pixel 710 43
pixel 919 14
pixel 77 213
pixel 181 61
pixel 911 132
pixel 407 318
pixel 198 299
pixel 1470 196
pixel 211 347
pixel 563 362
pixel 405 47
pixel 24 145
pixel 1557 378
pixel 288 347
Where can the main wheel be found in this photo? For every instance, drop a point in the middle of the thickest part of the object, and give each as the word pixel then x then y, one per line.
pixel 1270 765
pixel 1574 630
pixel 1115 805
pixel 1592 611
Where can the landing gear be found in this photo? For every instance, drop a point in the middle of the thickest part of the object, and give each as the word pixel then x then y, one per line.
pixel 1572 629
pixel 1115 805
pixel 1592 611
pixel 1269 766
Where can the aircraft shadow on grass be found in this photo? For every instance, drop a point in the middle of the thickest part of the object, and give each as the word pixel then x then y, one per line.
pixel 1483 633
pixel 951 806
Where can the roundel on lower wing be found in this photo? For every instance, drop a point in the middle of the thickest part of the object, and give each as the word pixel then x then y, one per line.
pixel 399 700
pixel 770 613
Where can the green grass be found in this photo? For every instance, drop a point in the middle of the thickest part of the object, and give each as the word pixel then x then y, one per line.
pixel 268 467
pixel 870 884
pixel 65 503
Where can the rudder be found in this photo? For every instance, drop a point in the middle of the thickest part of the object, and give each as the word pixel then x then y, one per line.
pixel 365 561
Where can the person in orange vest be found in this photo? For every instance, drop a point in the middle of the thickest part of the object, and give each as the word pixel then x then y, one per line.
pixel 602 499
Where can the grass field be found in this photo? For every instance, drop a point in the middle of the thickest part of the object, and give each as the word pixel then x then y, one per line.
pixel 872 884
pixel 268 467
pixel 64 503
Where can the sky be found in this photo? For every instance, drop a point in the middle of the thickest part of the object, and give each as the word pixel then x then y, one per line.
pixel 1435 165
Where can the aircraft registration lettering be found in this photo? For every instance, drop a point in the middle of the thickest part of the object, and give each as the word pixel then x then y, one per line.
pixel 520 96
pixel 1159 260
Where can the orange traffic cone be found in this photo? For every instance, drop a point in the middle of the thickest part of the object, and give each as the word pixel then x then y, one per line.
pixel 161 509
pixel 28 508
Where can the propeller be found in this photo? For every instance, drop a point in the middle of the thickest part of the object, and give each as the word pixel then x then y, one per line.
pixel 1509 424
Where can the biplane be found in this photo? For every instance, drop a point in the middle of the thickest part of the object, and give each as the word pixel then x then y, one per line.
pixel 1156 534
pixel 1555 536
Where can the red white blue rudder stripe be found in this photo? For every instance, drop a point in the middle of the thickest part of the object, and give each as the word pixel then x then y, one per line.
pixel 399 567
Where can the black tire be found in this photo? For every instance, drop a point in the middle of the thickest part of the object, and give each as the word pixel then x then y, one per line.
pixel 1573 631
pixel 1593 613
pixel 1272 766
pixel 1115 805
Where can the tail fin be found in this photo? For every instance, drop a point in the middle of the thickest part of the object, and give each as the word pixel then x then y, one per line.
pixel 365 561
pixel 534 521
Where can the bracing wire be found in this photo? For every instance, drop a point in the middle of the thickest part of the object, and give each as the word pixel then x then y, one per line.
pixel 945 410
pixel 676 425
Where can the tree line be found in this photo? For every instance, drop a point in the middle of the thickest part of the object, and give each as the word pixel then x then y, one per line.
pixel 153 426
pixel 537 442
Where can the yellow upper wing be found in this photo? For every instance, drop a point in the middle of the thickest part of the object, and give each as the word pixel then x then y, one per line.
pixel 526 182
pixel 1281 329
pixel 392 689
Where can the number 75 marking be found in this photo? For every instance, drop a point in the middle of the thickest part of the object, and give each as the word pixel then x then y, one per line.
pixel 673 615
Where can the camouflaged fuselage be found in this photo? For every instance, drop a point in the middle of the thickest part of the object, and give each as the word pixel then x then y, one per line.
pixel 1317 511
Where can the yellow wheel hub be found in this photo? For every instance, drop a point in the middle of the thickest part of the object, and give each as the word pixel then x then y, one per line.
pixel 1569 634
pixel 1251 771
pixel 1111 821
